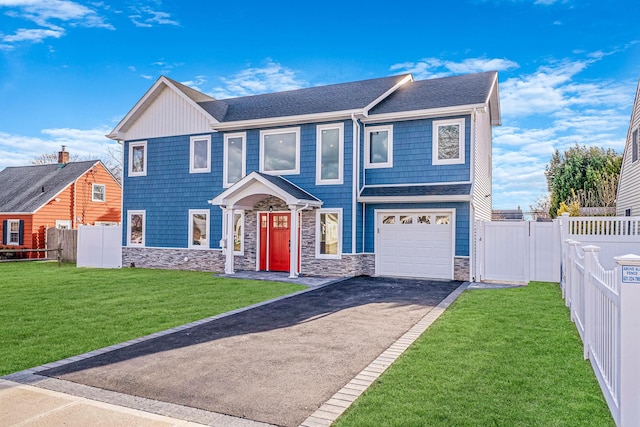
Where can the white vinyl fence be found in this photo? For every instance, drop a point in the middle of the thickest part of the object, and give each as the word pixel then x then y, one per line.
pixel 518 251
pixel 605 306
pixel 100 246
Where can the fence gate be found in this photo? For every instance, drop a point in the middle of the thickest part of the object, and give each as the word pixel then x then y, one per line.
pixel 517 251
pixel 100 246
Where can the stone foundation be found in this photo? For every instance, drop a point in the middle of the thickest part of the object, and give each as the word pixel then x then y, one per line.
pixel 461 269
pixel 174 259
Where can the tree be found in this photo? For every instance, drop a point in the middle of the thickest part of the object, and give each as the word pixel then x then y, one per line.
pixel 113 161
pixel 588 173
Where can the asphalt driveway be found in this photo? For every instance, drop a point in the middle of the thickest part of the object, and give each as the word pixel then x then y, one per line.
pixel 276 363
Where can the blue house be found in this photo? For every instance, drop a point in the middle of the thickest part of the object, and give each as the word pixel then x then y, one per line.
pixel 379 177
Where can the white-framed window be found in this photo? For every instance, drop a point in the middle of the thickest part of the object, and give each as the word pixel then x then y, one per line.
pixel 635 146
pixel 136 228
pixel 98 192
pixel 280 151
pixel 63 224
pixel 200 154
pixel 235 158
pixel 138 158
pixel 448 142
pixel 329 233
pixel 198 229
pixel 378 147
pixel 329 153
pixel 238 231
pixel 13 232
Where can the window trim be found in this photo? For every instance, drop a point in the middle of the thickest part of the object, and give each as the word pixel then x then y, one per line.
pixel 319 212
pixel 340 179
pixel 367 147
pixel 93 193
pixel 635 145
pixel 9 232
pixel 192 166
pixel 294 130
pixel 133 145
pixel 207 213
pixel 144 227
pixel 461 142
pixel 225 164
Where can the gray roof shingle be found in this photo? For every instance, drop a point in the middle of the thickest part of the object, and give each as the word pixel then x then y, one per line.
pixel 418 190
pixel 289 187
pixel 27 188
pixel 468 89
pixel 319 99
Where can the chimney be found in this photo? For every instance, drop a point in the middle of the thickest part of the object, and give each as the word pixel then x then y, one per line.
pixel 63 156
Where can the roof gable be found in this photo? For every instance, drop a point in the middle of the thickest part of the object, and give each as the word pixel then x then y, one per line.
pixel 26 189
pixel 165 94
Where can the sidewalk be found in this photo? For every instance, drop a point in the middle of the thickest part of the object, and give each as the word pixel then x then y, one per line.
pixel 24 405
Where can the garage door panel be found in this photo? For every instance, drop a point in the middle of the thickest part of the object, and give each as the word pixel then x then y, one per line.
pixel 414 248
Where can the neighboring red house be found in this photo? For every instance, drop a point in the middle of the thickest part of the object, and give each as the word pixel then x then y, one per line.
pixel 63 195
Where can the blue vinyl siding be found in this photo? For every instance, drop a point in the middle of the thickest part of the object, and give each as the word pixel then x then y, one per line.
pixel 462 222
pixel 412 156
pixel 168 190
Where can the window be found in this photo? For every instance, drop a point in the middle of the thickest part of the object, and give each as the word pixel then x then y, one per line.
pixel 328 233
pixel 136 228
pixel 442 219
pixel 448 142
pixel 234 167
pixel 138 158
pixel 378 149
pixel 329 154
pixel 12 232
pixel 198 229
pixel 280 151
pixel 635 148
pixel 200 157
pixel 238 233
pixel 98 192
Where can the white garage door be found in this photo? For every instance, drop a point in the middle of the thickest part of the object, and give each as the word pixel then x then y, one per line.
pixel 415 244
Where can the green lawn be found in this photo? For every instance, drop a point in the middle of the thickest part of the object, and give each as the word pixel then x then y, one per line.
pixel 507 357
pixel 49 313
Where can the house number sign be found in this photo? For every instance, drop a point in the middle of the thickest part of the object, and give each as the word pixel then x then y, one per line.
pixel 631 274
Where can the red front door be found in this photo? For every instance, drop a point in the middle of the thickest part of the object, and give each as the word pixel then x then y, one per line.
pixel 275 234
pixel 274 241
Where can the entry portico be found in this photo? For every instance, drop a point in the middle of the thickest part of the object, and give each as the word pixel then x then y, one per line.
pixel 250 190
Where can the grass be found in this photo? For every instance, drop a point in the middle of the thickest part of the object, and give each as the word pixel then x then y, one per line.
pixel 507 357
pixel 48 314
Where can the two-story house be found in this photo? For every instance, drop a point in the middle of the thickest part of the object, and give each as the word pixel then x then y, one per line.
pixel 380 177
pixel 628 197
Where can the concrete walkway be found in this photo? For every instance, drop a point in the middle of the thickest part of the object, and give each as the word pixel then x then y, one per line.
pixel 89 400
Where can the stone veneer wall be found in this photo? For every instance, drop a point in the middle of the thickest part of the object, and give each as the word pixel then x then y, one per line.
pixel 175 259
pixel 461 269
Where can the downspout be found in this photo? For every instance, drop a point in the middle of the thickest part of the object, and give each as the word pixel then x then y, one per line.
pixel 355 182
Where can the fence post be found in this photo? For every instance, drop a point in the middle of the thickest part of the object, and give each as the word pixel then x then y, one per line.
pixel 590 256
pixel 572 271
pixel 59 254
pixel 629 286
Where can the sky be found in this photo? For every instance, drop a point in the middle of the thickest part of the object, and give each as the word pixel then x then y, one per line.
pixel 70 70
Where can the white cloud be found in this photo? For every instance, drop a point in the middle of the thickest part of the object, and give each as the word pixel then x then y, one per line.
pixel 434 67
pixel 34 36
pixel 44 12
pixel 146 17
pixel 19 150
pixel 273 77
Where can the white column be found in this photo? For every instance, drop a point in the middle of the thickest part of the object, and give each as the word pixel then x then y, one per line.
pixel 629 281
pixel 228 265
pixel 293 243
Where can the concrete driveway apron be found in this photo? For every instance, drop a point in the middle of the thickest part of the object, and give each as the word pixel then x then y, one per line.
pixel 276 363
